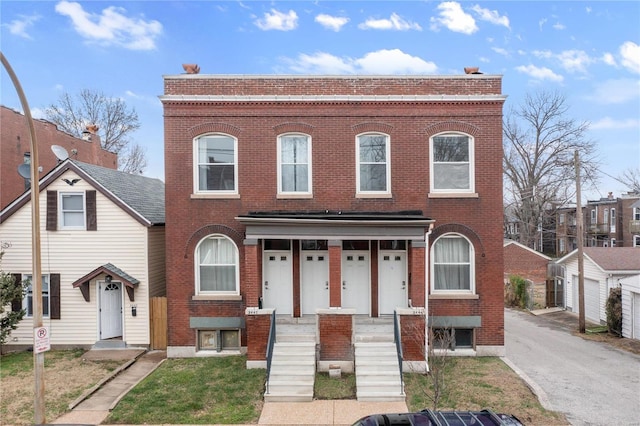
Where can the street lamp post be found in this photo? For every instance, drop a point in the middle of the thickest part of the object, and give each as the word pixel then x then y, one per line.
pixel 36 274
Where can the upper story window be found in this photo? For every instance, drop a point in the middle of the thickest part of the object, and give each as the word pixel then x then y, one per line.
pixel 294 164
pixel 452 163
pixel 606 216
pixel 452 265
pixel 593 216
pixel 72 210
pixel 373 173
pixel 27 301
pixel 613 220
pixel 561 219
pixel 216 160
pixel 217 266
pixel 636 213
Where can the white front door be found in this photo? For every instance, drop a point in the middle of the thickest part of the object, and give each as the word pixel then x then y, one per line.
pixel 314 281
pixel 392 281
pixel 110 310
pixel 277 286
pixel 355 280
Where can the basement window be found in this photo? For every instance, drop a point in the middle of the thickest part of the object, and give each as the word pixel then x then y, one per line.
pixel 218 340
pixel 453 338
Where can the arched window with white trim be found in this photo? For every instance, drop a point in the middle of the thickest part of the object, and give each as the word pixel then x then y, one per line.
pixel 373 169
pixel 294 164
pixel 215 164
pixel 217 269
pixel 452 168
pixel 452 265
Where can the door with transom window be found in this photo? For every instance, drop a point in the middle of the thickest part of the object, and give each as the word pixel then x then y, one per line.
pixel 277 284
pixel 392 279
pixel 314 276
pixel 110 310
pixel 355 276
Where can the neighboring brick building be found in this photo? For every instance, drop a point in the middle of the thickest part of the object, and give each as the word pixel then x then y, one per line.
pixel 329 197
pixel 15 150
pixel 529 264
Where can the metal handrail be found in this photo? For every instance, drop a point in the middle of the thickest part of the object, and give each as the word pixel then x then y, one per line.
pixel 398 341
pixel 270 343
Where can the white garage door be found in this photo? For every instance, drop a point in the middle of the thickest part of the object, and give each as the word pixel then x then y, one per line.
pixel 591 299
pixel 636 316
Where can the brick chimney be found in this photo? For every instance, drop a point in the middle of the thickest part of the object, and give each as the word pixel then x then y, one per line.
pixel 91 135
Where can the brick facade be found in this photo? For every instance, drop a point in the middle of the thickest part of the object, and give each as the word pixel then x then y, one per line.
pixel 332 111
pixel 15 143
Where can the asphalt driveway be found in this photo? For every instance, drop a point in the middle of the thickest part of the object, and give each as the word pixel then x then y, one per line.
pixel 592 383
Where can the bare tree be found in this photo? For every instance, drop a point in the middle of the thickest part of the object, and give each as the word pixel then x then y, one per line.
pixel 115 120
pixel 631 178
pixel 540 141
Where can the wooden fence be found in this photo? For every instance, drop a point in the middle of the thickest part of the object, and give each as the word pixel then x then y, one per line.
pixel 158 323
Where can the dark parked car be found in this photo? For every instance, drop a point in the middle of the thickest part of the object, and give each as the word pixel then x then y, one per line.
pixel 440 418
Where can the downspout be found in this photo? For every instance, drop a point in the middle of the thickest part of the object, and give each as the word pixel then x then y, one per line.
pixel 427 284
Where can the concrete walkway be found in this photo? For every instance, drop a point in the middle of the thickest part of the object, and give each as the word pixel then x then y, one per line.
pixel 93 407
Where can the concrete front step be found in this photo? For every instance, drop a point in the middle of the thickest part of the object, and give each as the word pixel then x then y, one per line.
pixel 380 397
pixel 377 372
pixel 290 337
pixel 293 369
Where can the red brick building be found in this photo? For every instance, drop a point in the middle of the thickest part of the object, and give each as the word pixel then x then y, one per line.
pixel 15 150
pixel 333 198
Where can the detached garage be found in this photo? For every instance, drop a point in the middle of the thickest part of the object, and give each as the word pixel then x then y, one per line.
pixel 631 307
pixel 605 268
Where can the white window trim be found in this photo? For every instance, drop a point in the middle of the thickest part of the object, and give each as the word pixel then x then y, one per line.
pixel 294 194
pixel 386 192
pixel 472 166
pixel 636 240
pixel 472 268
pixel 196 164
pixel 612 218
pixel 25 305
pixel 61 224
pixel 196 263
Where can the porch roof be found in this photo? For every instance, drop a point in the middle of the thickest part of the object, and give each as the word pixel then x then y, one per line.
pixel 400 225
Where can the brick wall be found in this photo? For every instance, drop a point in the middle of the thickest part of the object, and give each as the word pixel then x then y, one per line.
pixel 333 127
pixel 15 142
pixel 412 330
pixel 335 337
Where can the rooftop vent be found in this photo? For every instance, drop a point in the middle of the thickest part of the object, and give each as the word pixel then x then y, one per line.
pixel 472 70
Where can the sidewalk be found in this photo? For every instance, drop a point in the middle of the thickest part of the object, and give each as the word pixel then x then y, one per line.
pixel 93 407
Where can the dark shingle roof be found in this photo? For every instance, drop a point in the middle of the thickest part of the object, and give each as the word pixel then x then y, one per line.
pixel 143 194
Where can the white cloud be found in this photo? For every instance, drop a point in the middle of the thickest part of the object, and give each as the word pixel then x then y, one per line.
pixel 608 123
pixel 112 27
pixel 608 59
pixel 546 54
pixel 541 23
pixel 20 26
pixel 630 53
pixel 500 51
pixel 559 26
pixel 379 62
pixel 454 18
pixel 38 113
pixel 492 16
pixel 574 60
pixel 616 91
pixel 395 22
pixel 539 73
pixel 334 23
pixel 277 20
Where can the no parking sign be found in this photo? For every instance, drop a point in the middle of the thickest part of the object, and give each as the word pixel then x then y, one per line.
pixel 41 341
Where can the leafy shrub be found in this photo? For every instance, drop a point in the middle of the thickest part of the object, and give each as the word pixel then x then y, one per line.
pixel 516 295
pixel 614 311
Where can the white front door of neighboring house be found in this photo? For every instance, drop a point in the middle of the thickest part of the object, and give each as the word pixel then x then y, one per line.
pixel 314 281
pixel 591 299
pixel 277 286
pixel 635 332
pixel 392 281
pixel 110 310
pixel 355 280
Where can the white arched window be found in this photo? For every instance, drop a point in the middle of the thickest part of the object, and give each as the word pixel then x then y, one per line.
pixel 452 167
pixel 216 164
pixel 217 266
pixel 452 265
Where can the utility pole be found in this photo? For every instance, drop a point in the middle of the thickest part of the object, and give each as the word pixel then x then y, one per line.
pixel 36 273
pixel 580 232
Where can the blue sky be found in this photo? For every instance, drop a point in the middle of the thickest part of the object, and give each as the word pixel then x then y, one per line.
pixel 589 51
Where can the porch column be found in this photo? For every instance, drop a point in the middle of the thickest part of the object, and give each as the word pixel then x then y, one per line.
pixel 335 273
pixel 418 274
pixel 252 277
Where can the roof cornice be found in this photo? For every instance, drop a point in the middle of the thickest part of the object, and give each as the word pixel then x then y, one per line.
pixel 333 98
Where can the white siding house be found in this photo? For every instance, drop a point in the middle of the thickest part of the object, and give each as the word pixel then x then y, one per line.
pixel 102 255
pixel 631 307
pixel 604 268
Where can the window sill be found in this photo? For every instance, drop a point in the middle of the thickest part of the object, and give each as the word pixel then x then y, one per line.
pixel 469 296
pixel 365 195
pixel 294 196
pixel 453 195
pixel 217 297
pixel 214 196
